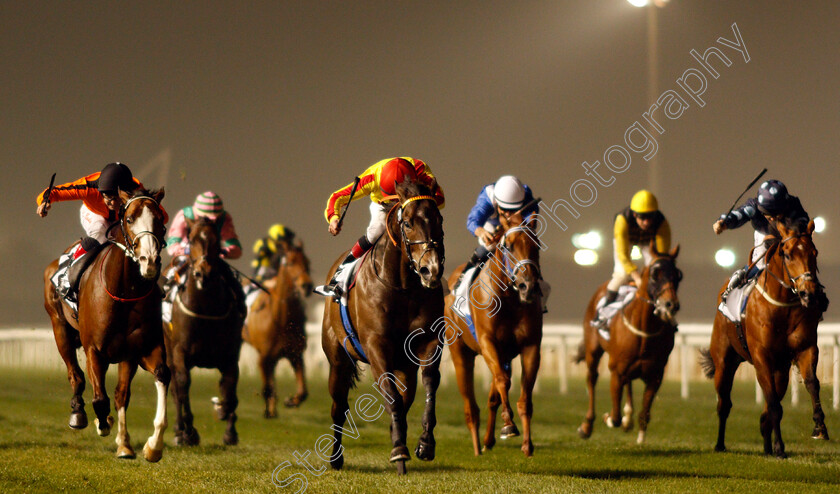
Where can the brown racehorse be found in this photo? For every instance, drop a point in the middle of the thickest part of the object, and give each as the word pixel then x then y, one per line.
pixel 507 314
pixel 118 321
pixel 780 326
pixel 206 331
pixel 641 340
pixel 276 324
pixel 397 297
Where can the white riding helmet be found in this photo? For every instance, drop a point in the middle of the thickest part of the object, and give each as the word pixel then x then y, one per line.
pixel 509 192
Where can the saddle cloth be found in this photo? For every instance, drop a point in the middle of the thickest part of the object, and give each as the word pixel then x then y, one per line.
pixel 626 293
pixel 736 302
pixel 61 278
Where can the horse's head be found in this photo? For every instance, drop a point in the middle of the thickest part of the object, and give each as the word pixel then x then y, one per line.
pixel 205 249
pixel 520 250
pixel 661 279
pixel 296 265
pixel 420 226
pixel 799 260
pixel 143 227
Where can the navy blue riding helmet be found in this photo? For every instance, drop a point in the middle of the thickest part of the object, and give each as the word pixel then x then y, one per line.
pixel 772 197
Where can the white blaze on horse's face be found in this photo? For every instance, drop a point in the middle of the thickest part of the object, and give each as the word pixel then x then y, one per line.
pixel 147 247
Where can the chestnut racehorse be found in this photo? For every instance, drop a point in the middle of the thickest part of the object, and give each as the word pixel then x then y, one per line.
pixel 118 321
pixel 641 340
pixel 397 297
pixel 206 331
pixel 276 324
pixel 779 326
pixel 506 311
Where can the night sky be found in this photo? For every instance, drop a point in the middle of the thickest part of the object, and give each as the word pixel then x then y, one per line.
pixel 275 104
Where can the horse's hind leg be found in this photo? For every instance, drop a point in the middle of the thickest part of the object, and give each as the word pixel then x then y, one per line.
pixel 431 381
pixel 185 433
pixel 807 363
pixel 97 368
pixel 227 388
pixel 593 359
pixel 300 378
pixel 269 393
pixel 726 362
pixel 66 338
pixel 464 361
pixel 530 357
pixel 156 364
pixel 340 382
pixel 122 395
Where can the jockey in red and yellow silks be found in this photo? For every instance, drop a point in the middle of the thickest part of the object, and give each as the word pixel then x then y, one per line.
pixel 377 181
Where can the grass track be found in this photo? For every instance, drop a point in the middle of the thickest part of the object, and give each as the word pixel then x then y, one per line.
pixel 39 453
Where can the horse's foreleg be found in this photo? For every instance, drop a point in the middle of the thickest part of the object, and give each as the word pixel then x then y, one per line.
pixel 300 378
pixel 65 341
pixel 97 367
pixel 627 418
pixel 156 364
pixel 390 386
pixel 781 379
pixel 122 395
pixel 530 357
pixel 227 388
pixel 651 387
pixel 185 433
pixel 501 385
pixel 267 366
pixel 340 381
pixel 774 385
pixel 807 363
pixel 493 402
pixel 431 381
pixel 593 359
pixel 613 419
pixel 464 361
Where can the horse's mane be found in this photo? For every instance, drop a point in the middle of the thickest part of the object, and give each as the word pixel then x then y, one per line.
pixel 413 189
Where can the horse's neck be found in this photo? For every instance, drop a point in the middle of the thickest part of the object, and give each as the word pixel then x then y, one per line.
pixel 393 267
pixel 773 284
pixel 499 281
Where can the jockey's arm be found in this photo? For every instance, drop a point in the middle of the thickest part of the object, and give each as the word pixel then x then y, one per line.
pixel 621 234
pixel 663 237
pixel 231 248
pixel 176 240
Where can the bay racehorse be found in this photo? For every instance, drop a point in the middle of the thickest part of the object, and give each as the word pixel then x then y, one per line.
pixel 206 331
pixel 506 310
pixel 778 328
pixel 397 297
pixel 641 340
pixel 118 321
pixel 276 324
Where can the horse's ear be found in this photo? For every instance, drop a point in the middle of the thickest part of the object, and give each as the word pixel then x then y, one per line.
pixel 810 227
pixel 675 251
pixel 190 223
pixel 123 195
pixel 158 195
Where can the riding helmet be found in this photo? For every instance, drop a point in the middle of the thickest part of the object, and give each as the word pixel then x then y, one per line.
pixel 644 202
pixel 395 170
pixel 772 197
pixel 509 192
pixel 113 177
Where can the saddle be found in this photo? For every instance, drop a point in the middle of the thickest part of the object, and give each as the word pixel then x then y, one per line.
pixel 71 266
pixel 626 294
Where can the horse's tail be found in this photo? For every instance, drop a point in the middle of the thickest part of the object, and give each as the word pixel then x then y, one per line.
pixel 581 353
pixel 707 363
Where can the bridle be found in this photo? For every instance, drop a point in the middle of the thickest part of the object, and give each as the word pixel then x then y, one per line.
pixel 430 245
pixel 131 244
pixel 503 246
pixel 806 276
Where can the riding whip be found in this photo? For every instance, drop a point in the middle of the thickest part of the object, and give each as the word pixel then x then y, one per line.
pixel 255 282
pixel 49 189
pixel 352 193
pixel 746 190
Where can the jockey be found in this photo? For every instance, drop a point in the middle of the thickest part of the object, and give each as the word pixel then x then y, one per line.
pixel 99 193
pixel 504 197
pixel 266 248
pixel 208 205
pixel 378 182
pixel 635 225
pixel 775 205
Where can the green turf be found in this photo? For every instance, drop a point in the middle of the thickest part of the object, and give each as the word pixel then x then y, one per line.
pixel 39 453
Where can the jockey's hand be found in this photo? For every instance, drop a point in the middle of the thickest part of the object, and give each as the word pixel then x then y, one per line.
pixel 718 226
pixel 335 228
pixel 637 278
pixel 43 208
pixel 485 236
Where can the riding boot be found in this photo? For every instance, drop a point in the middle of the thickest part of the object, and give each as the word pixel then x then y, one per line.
pixel 600 321
pixel 87 247
pixel 477 257
pixel 737 280
pixel 336 286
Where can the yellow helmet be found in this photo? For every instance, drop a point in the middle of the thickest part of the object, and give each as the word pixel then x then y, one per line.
pixel 277 231
pixel 644 202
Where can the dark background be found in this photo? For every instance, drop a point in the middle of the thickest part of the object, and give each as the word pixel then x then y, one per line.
pixel 274 105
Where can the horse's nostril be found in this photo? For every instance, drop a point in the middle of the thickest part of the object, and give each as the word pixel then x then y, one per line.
pixel 424 272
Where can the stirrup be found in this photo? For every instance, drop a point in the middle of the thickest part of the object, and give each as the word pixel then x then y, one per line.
pixel 604 332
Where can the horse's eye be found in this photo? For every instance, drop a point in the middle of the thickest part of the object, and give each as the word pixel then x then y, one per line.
pixel 129 220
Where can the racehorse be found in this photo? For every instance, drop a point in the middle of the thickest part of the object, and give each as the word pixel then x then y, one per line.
pixel 779 326
pixel 206 331
pixel 397 297
pixel 276 324
pixel 507 315
pixel 641 340
pixel 118 321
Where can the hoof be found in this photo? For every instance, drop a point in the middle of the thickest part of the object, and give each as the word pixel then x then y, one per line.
pixel 399 453
pixel 509 431
pixel 125 452
pixel 217 407
pixel 152 455
pixel 187 438
pixel 104 430
pixel 528 449
pixel 626 423
pixel 78 420
pixel 819 433
pixel 488 445
pixel 337 463
pixel 641 438
pixel 585 431
pixel 609 421
pixel 231 439
pixel 270 414
pixel 425 451
pixel 294 401
pixel 720 448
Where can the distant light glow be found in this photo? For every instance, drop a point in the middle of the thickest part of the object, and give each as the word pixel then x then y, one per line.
pixel 589 240
pixel 819 224
pixel 586 257
pixel 638 3
pixel 636 253
pixel 725 258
